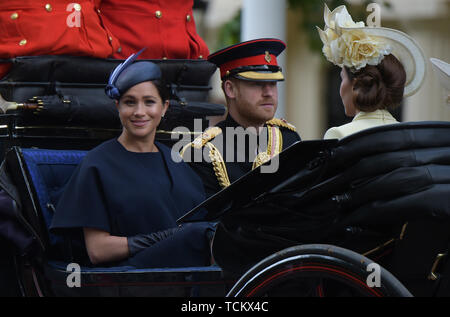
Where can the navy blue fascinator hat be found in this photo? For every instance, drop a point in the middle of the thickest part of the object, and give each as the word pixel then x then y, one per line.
pixel 130 73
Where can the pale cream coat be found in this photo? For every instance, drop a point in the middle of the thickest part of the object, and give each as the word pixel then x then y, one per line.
pixel 363 120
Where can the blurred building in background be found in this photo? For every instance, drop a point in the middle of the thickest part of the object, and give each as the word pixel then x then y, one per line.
pixel 309 98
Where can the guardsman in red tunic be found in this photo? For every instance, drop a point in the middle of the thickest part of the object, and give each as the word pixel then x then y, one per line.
pixel 53 27
pixel 166 28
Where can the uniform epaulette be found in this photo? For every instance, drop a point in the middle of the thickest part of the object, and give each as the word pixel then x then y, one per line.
pixel 202 139
pixel 205 137
pixel 281 123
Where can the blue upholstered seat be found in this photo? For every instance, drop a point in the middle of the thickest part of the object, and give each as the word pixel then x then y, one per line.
pixel 50 170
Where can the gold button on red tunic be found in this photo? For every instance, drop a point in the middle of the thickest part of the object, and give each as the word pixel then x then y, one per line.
pixel 40 27
pixel 165 28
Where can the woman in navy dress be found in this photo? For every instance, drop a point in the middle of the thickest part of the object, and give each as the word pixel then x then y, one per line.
pixel 128 192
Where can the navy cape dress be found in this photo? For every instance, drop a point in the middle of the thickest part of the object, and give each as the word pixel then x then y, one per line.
pixel 127 193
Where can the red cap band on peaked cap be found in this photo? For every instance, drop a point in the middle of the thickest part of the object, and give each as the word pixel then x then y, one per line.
pixel 248 61
pixel 250 53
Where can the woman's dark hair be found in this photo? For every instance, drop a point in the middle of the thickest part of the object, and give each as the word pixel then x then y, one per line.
pixel 162 88
pixel 380 86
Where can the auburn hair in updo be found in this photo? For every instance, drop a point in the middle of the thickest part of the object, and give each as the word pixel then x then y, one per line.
pixel 380 86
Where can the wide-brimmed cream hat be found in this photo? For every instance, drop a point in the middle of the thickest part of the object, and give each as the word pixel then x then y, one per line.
pixel 442 70
pixel 354 45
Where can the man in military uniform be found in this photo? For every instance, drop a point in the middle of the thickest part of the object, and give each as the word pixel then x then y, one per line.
pixel 250 135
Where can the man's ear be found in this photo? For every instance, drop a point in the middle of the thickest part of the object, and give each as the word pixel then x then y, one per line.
pixel 229 88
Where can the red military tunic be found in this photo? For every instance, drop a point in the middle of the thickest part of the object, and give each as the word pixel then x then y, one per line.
pixel 53 27
pixel 165 27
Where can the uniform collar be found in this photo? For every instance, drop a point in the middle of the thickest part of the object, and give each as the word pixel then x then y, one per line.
pixel 379 114
pixel 228 122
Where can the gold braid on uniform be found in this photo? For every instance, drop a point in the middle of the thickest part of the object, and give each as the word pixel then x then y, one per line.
pixel 202 139
pixel 217 161
pixel 260 159
pixel 219 166
pixel 274 141
pixel 281 123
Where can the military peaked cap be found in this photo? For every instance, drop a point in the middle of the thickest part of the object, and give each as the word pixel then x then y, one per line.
pixel 254 60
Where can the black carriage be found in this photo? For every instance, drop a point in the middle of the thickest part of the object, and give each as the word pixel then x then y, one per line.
pixel 367 215
pixel 336 211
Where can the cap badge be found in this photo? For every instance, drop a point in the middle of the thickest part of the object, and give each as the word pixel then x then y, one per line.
pixel 268 58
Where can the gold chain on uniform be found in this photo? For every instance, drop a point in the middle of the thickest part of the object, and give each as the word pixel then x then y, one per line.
pixel 275 142
pixel 219 166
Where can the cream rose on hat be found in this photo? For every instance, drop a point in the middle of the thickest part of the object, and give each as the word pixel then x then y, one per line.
pixel 346 44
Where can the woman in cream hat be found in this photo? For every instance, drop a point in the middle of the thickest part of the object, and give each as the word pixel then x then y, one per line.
pixel 380 66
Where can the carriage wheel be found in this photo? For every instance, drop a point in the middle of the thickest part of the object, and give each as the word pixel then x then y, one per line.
pixel 317 270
